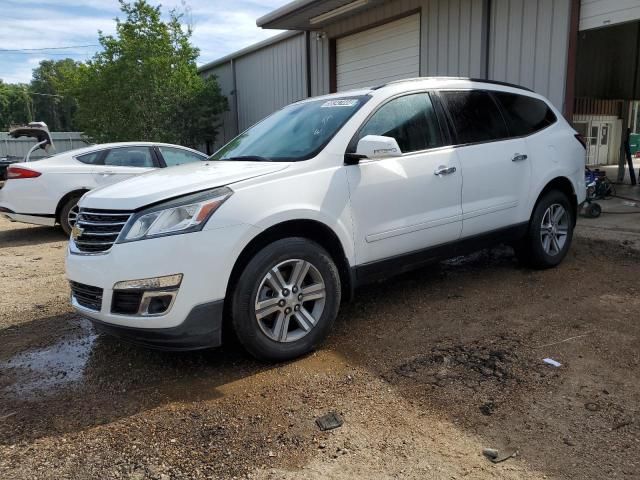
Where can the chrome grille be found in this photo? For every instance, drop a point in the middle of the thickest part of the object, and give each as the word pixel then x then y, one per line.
pixel 87 296
pixel 98 229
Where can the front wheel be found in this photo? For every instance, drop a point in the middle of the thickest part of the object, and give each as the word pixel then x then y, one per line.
pixel 550 232
pixel 286 299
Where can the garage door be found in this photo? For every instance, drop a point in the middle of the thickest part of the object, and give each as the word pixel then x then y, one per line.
pixel 378 55
pixel 600 13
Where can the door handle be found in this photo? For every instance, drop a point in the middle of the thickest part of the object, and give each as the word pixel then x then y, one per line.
pixel 442 170
pixel 518 157
pixel 106 174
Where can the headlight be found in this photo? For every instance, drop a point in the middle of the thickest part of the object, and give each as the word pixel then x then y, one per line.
pixel 182 215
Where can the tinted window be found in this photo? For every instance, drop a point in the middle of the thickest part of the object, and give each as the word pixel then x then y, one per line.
pixel 475 116
pixel 177 156
pixel 297 132
pixel 411 120
pixel 91 158
pixel 129 157
pixel 524 115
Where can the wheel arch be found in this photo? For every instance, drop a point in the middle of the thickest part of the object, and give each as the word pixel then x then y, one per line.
pixel 311 229
pixel 77 192
pixel 564 185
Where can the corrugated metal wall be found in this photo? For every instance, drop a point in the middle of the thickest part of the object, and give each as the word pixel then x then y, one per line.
pixel 602 13
pixel 17 148
pixel 270 78
pixel 528 45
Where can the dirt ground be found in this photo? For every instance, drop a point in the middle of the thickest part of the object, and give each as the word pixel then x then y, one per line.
pixel 426 370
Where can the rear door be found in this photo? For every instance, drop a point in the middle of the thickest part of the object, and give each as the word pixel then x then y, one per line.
pixel 495 167
pixel 124 162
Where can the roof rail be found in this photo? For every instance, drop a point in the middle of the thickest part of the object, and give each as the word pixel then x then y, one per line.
pixel 479 80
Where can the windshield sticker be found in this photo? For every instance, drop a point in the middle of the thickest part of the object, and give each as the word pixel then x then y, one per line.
pixel 347 102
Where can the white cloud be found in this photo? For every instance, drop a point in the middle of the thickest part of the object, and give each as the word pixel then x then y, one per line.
pixel 220 27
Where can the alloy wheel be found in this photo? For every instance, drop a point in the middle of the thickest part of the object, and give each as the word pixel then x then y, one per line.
pixel 554 229
pixel 72 217
pixel 290 300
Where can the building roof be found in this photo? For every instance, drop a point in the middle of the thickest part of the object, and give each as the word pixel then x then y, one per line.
pixel 251 48
pixel 303 14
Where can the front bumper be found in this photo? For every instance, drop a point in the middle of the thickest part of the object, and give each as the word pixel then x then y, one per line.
pixel 205 259
pixel 201 329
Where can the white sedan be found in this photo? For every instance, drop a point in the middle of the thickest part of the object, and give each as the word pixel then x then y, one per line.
pixel 46 192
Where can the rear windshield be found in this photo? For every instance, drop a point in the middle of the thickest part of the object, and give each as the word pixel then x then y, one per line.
pixel 297 132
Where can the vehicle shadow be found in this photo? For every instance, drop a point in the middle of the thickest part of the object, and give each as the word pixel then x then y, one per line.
pixel 27 235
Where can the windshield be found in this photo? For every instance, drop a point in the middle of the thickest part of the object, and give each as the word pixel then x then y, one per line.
pixel 297 132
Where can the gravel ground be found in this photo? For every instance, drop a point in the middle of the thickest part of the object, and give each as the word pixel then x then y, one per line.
pixel 426 370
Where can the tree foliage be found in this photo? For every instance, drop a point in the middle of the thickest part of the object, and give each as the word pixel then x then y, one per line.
pixel 52 94
pixel 15 104
pixel 144 84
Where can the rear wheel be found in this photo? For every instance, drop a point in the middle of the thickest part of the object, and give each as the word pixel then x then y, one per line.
pixel 69 214
pixel 286 299
pixel 550 232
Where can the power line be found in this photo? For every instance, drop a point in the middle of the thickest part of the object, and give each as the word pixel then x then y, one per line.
pixel 47 48
pixel 43 53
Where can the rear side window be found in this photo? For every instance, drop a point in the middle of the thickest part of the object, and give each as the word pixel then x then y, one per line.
pixel 91 158
pixel 476 117
pixel 410 119
pixel 524 115
pixel 129 157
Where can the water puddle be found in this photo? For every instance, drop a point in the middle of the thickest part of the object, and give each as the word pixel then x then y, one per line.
pixel 56 366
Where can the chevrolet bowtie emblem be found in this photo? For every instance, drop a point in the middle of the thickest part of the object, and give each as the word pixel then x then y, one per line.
pixel 76 232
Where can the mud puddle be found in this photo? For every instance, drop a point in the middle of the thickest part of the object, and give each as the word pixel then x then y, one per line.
pixel 44 370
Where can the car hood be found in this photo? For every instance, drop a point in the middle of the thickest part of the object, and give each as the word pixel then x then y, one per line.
pixel 167 183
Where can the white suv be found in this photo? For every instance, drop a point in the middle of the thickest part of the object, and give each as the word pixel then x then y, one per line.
pixel 323 196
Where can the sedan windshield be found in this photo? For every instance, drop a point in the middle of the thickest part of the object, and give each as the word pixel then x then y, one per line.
pixel 297 132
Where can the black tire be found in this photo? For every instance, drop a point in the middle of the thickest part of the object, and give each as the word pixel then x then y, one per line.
pixel 530 250
pixel 593 210
pixel 64 214
pixel 251 332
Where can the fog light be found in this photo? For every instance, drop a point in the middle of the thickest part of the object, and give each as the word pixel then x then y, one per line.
pixel 159 305
pixel 170 281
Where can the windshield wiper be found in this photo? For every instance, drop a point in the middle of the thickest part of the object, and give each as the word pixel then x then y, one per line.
pixel 250 158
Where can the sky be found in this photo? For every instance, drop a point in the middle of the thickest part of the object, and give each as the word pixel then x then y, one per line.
pixel 219 28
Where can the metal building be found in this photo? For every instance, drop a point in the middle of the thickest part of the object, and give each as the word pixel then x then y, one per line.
pixel 334 45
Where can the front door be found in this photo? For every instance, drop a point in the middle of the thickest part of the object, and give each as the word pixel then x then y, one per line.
pixel 408 203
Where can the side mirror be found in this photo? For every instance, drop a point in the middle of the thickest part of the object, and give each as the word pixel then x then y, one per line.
pixel 374 146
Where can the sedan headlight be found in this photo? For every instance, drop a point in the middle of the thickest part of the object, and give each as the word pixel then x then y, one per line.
pixel 182 215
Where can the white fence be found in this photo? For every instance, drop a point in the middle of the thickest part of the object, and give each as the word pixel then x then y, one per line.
pixel 17 148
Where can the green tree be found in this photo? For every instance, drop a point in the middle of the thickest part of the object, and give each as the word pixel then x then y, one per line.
pixel 15 104
pixel 52 97
pixel 144 84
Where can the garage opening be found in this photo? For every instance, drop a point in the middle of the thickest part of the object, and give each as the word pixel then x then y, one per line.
pixel 608 96
pixel 379 55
